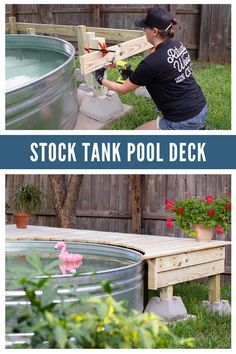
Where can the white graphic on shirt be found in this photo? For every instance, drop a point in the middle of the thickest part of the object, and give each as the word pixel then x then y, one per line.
pixel 180 59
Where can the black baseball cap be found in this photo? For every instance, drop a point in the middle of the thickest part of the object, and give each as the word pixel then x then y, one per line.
pixel 157 17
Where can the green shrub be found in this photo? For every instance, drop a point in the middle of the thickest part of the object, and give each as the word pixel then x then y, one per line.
pixel 87 323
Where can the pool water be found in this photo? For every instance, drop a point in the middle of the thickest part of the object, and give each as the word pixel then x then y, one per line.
pixel 24 65
pixel 90 263
pixel 93 262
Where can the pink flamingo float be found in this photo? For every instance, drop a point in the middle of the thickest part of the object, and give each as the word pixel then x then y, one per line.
pixel 71 261
pixel 66 268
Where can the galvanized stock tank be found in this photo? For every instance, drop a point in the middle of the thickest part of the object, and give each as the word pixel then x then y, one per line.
pixel 122 266
pixel 41 90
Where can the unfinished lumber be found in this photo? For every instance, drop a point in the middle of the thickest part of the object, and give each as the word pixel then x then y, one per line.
pixel 214 288
pixel 93 61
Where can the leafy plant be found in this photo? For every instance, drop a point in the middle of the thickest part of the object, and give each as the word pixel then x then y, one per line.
pixel 212 211
pixel 27 198
pixel 87 323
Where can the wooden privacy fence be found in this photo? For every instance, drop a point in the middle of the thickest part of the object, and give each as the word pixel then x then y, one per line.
pixel 124 203
pixel 204 29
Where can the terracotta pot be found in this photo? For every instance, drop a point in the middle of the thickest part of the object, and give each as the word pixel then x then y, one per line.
pixel 22 220
pixel 204 233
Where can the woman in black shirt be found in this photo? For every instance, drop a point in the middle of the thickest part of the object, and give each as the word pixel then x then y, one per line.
pixel 167 75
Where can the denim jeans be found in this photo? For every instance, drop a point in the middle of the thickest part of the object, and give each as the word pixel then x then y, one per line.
pixel 189 124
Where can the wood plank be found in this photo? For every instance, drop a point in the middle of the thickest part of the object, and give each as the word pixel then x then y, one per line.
pixel 114 34
pixel 80 32
pixel 187 274
pixel 166 293
pixel 7 27
pixel 214 288
pixel 152 274
pixel 188 259
pixel 129 240
pixel 96 15
pixel 123 9
pixel 31 31
pixel 94 61
pixel 63 30
pixel 136 203
pixel 12 23
pixel 151 252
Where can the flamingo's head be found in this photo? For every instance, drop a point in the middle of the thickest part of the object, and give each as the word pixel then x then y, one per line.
pixel 60 245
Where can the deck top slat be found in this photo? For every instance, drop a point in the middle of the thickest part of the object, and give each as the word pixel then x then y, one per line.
pixel 151 246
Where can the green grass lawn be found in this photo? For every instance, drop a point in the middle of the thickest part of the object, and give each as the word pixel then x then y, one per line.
pixel 209 330
pixel 215 81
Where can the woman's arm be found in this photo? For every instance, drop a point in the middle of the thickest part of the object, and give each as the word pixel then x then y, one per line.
pixel 127 86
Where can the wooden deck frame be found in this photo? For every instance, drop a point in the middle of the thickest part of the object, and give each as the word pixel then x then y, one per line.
pixel 93 61
pixel 171 260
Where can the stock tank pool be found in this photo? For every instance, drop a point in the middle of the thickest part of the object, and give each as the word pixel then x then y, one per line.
pixel 40 83
pixel 124 267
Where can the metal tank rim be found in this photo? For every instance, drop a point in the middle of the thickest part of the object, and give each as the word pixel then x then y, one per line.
pixel 44 38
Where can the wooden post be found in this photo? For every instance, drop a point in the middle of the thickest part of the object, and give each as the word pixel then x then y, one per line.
pixel 152 274
pixel 214 288
pixel 12 22
pixel 31 31
pixel 136 204
pixel 84 38
pixel 80 31
pixel 96 15
pixel 13 10
pixel 99 89
pixel 92 42
pixel 166 293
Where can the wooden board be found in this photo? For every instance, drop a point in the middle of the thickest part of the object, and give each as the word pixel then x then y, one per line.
pixel 93 61
pixel 183 260
pixel 177 276
pixel 150 246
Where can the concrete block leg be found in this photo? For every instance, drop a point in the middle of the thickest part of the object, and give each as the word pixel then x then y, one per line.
pixel 169 309
pixel 221 307
pixel 101 108
pixel 215 304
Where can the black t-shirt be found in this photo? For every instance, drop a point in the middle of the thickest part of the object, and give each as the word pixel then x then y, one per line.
pixel 167 75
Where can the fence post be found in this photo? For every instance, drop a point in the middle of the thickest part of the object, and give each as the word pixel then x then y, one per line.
pixel 136 203
pixel 12 22
pixel 97 15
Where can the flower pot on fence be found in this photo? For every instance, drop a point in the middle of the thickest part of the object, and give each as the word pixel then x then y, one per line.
pixel 22 220
pixel 203 233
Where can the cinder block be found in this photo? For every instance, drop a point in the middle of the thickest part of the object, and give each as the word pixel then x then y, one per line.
pixel 168 309
pixel 101 108
pixel 222 307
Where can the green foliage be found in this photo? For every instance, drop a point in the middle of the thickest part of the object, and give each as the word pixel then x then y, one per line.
pixel 211 212
pixel 210 330
pixel 87 323
pixel 27 198
pixel 215 81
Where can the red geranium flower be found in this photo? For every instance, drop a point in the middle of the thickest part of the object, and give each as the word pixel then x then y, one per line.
pixel 228 207
pixel 211 212
pixel 170 204
pixel 169 223
pixel 210 199
pixel 180 210
pixel 219 230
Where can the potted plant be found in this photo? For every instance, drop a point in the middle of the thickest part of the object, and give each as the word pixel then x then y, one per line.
pixel 196 216
pixel 26 200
